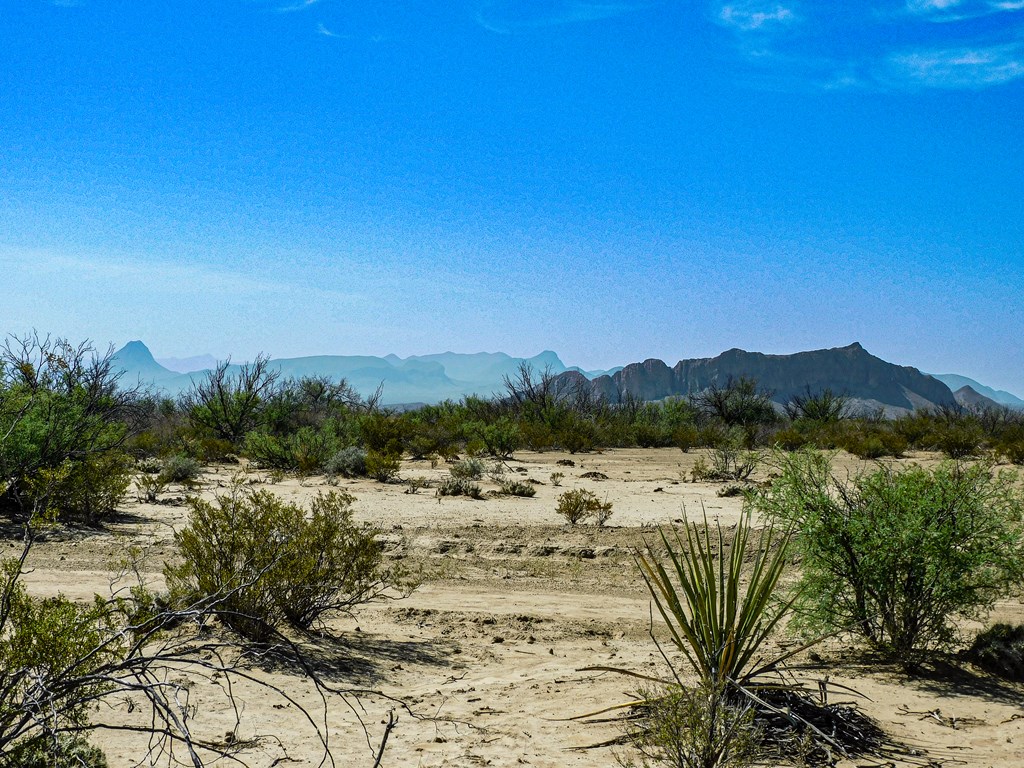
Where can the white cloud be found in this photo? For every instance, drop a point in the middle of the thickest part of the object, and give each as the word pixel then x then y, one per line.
pixel 967 67
pixel 508 16
pixel 748 17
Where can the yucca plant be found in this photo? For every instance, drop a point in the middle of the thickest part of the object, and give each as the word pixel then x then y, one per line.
pixel 718 612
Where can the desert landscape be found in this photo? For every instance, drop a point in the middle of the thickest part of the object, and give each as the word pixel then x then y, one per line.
pixel 484 657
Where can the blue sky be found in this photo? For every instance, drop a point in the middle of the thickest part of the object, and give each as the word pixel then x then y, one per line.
pixel 613 179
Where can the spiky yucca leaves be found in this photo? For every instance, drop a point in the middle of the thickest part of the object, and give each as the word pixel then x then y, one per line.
pixel 720 613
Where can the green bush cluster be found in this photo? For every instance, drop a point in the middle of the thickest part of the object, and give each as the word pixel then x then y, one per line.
pixel 271 563
pixel 900 555
pixel 580 504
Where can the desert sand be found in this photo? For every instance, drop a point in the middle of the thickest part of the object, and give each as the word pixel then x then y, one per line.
pixel 513 603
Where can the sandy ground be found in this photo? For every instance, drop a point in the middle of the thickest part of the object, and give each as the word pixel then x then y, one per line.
pixel 487 652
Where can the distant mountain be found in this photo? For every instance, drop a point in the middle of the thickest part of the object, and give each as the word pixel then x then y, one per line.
pixel 955 382
pixel 968 397
pixel 417 379
pixel 188 364
pixel 869 381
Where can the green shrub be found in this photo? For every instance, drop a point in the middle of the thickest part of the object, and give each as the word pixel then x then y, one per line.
pixel 685 437
pixel 872 441
pixel 1000 650
pixel 383 467
pixel 579 504
pixel 269 563
pixel 468 469
pixel 89 490
pixel 501 438
pixel 348 462
pixel 900 556
pixel 180 469
pixel 699 727
pixel 517 488
pixel 459 486
pixel 45 752
pixel 959 440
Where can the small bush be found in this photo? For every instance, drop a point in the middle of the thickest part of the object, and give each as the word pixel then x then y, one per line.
pixel 88 490
pixel 468 469
pixel 149 487
pixel 383 467
pixel 517 488
pixel 556 478
pixel 348 462
pixel 959 441
pixel 43 752
pixel 694 728
pixel 902 556
pixel 459 486
pixel 579 504
pixel 1000 650
pixel 272 564
pixel 181 469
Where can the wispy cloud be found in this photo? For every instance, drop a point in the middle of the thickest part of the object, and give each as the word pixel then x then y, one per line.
pixel 748 17
pixel 957 67
pixel 960 10
pixel 509 16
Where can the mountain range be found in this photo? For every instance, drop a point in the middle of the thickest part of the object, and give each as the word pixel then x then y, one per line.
pixel 870 382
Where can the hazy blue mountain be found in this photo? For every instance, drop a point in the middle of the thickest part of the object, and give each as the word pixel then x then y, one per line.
pixel 955 381
pixel 870 381
pixel 417 379
pixel 188 364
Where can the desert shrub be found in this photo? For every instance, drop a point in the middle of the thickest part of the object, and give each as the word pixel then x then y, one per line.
pixel 1000 650
pixel 383 467
pixel 649 435
pixel 272 564
pixel 556 478
pixel 822 407
pixel 348 462
pixel 685 437
pixel 577 435
pixel 459 486
pixel 180 469
pixel 579 504
pixel 792 438
pixel 731 463
pixel 517 488
pixel 63 752
pixel 468 469
pixel 719 603
pixel 959 440
pixel 873 441
pixel 305 451
pixel 501 438
pixel 699 727
pixel 88 490
pixel 899 555
pixel 63 424
pixel 740 403
pixel 1012 450
pixel 382 432
pixel 227 404
pixel 149 487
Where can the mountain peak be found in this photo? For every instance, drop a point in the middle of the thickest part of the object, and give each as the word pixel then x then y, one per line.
pixel 136 352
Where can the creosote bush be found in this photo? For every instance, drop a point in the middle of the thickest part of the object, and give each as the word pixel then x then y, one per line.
pixel 459 486
pixel 1000 650
pixel 580 504
pixel 275 563
pixel 900 555
pixel 518 488
pixel 348 462
pixel 470 469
